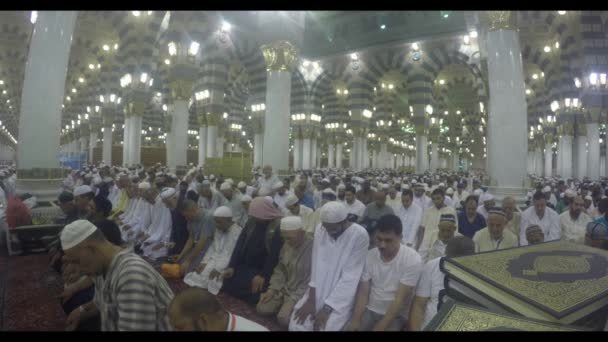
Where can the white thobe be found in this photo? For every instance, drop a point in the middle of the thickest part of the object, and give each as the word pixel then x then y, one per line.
pixel 140 219
pixel 216 258
pixel 456 198
pixel 280 200
pixel 424 202
pixel 394 203
pixel 357 208
pixel 448 201
pixel 132 202
pixel 159 230
pixel 433 247
pixel 411 219
pixel 267 184
pixel 308 218
pixel 114 195
pixel 574 230
pixel 337 266
pixel 549 224
pixel 217 200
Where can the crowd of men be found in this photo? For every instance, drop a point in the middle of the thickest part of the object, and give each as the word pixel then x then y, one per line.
pixel 326 250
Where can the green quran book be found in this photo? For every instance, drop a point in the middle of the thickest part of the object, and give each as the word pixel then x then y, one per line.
pixel 559 281
pixel 455 316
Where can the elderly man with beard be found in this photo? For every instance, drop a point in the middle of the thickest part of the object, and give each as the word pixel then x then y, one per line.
pixel 494 236
pixel 305 213
pixel 231 199
pixel 209 199
pixel 574 221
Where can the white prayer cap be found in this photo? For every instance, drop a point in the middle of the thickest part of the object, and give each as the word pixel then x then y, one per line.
pixel 167 193
pixel 328 191
pixel 477 192
pixel 570 193
pixel 225 186
pixel 246 198
pixel 405 187
pixel 449 191
pixel 158 174
pixel 486 196
pixel 547 189
pixel 241 185
pixel 212 177
pixel 230 181
pixel 441 185
pixel 144 186
pixel 291 200
pixel 108 180
pixel 326 180
pixel 97 180
pixel 291 223
pixel 222 211
pixel 414 181
pixel 333 212
pixel 588 198
pixel 341 187
pixel 385 186
pixel 88 175
pixel 76 232
pixel 81 190
pixel 277 185
pixel 206 182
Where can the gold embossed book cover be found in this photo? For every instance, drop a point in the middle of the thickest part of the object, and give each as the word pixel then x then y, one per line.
pixel 556 281
pixel 455 316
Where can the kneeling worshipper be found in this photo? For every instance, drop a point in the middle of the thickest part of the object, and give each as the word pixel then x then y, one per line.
pixel 200 233
pixel 495 236
pixel 434 247
pixel 305 213
pixel 241 220
pixel 138 216
pixel 208 274
pixel 129 294
pixel 432 280
pixel 132 194
pixel 256 252
pixel 339 252
pixel 83 194
pixel 195 309
pixel 99 210
pixel 291 276
pixel 157 235
pixel 232 200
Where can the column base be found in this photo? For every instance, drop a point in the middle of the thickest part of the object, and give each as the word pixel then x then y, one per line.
pixel 45 190
pixel 499 193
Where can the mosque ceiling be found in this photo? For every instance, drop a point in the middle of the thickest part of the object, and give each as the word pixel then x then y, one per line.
pixel 105 45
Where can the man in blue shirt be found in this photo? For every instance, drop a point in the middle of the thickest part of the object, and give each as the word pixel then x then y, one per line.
pixel 305 199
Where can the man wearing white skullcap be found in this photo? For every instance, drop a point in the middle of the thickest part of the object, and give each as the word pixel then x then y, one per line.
pixel 281 194
pixel 550 196
pixel 82 196
pixel 209 199
pixel 495 236
pixel 291 276
pixel 129 294
pixel 268 180
pixel 339 252
pixel 486 201
pixel 207 274
pixel 155 237
pixel 294 208
pixel 242 218
pixel 232 200
pixel 242 186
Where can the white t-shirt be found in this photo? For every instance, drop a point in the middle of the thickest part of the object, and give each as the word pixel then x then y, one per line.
pixel 385 277
pixel 357 208
pixel 431 282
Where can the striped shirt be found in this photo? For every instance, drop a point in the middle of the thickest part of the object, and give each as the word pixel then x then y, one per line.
pixel 132 296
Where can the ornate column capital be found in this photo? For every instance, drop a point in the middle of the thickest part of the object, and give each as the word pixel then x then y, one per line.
pixel 135 108
pixel 202 119
pixel 280 55
pixel 181 90
pixel 500 20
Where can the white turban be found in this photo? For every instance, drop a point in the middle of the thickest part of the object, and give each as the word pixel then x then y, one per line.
pixel 588 198
pixel 81 190
pixel 486 197
pixel 291 223
pixel 277 185
pixel 241 185
pixel 341 187
pixel 291 200
pixel 449 191
pixel 144 186
pixel 246 198
pixel 167 193
pixel 225 186
pixel 230 181
pixel 76 232
pixel 547 189
pixel 222 211
pixel 333 212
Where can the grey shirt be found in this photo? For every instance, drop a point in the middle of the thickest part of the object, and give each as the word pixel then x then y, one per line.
pixel 372 211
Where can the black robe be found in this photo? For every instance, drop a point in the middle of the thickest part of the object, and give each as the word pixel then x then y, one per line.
pixel 252 257
pixel 179 231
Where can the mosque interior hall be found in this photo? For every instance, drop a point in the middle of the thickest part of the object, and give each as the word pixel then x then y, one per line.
pixel 170 139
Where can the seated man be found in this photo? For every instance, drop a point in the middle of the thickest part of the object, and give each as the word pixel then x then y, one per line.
pixel 438 239
pixel 200 233
pixel 495 236
pixel 67 206
pixel 431 283
pixel 290 277
pixel 389 277
pixel 354 206
pixel 305 213
pixel 208 273
pixel 256 253
pixel 574 221
pixel 232 200
pixel 82 196
pixel 535 234
pixel 140 216
pixel 156 236
pixel 195 309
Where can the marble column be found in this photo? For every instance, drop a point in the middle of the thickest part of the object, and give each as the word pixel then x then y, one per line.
pixel 339 148
pixel 548 159
pixel 126 141
pixel 315 155
pixel 306 154
pixel 106 149
pixel 560 153
pixel 38 167
pixel 566 142
pixel 276 120
pixel 179 127
pixel 92 144
pixel 365 153
pixel 593 157
pixel 257 149
pixel 434 157
pixel 507 115
pixel 603 166
pixel 539 161
pixel 212 141
pixel 383 156
pixel 202 145
pixel 422 157
pixel 580 163
pixel 135 140
pixel 297 154
pixel 330 155
pixel 220 146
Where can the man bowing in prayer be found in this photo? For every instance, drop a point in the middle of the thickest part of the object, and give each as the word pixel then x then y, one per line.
pixel 339 252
